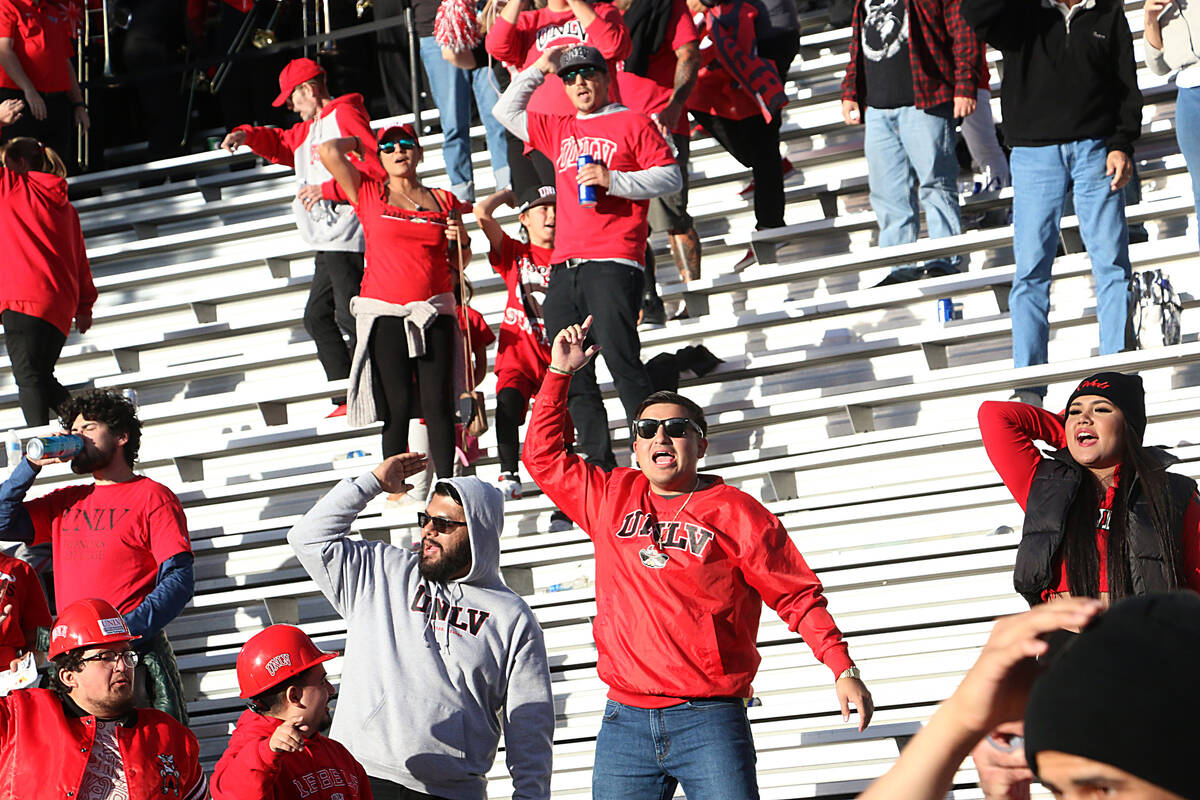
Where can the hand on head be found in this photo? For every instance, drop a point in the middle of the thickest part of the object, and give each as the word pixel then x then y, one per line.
pixel 551 57
pixel 393 472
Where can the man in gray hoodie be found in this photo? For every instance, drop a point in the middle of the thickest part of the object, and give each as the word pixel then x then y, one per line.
pixel 439 652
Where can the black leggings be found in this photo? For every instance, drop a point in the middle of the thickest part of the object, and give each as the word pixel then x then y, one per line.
pixel 755 144
pixel 33 348
pixel 404 385
pixel 510 413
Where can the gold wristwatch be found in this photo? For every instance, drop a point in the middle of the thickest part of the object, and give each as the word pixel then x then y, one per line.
pixel 850 672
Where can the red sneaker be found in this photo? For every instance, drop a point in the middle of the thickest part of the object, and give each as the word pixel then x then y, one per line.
pixel 340 411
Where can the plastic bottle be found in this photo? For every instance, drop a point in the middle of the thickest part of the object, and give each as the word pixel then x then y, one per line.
pixel 13 450
pixel 579 583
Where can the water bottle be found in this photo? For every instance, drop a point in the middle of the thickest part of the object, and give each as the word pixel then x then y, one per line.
pixel 64 446
pixel 579 583
pixel 12 449
pixel 587 194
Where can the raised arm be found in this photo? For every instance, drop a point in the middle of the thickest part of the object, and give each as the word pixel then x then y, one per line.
pixel 334 154
pixel 484 211
pixel 1009 431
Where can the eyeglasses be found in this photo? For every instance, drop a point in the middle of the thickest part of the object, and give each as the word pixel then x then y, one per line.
pixel 569 76
pixel 389 147
pixel 440 524
pixel 111 657
pixel 676 427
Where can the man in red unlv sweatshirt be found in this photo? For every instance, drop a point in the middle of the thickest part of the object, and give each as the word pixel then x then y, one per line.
pixel 683 565
pixel 277 751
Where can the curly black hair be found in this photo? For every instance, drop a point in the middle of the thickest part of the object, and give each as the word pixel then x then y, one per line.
pixel 71 661
pixel 111 408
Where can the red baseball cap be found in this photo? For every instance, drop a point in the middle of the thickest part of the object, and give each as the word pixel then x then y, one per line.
pixel 295 73
pixel 405 130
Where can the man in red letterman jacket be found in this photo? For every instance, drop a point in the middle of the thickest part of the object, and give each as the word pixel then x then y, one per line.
pixel 683 566
pixel 84 738
pixel 599 248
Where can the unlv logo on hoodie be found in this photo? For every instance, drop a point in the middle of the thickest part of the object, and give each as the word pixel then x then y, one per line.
pixel 666 535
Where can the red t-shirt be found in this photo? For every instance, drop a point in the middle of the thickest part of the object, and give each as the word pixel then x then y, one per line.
pixel 41 35
pixel 481 334
pixel 524 342
pixel 1009 430
pixel 651 93
pixel 625 141
pixel 109 540
pixel 20 587
pixel 522 44
pixel 405 250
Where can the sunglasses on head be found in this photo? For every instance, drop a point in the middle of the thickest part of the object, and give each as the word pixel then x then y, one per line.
pixel 440 524
pixel 676 427
pixel 569 76
pixel 390 146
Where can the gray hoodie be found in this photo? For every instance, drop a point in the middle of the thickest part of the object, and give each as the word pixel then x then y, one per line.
pixel 432 670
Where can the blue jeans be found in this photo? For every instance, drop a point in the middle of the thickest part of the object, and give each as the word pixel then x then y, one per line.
pixel 1187 131
pixel 645 753
pixel 452 89
pixel 1041 179
pixel 901 142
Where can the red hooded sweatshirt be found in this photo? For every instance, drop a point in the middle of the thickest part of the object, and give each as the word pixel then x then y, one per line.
pixel 46 272
pixel 250 770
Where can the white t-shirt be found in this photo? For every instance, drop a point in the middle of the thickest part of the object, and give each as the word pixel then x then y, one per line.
pixel 104 778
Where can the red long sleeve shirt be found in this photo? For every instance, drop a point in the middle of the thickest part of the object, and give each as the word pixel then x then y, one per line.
pixel 1009 431
pixel 250 770
pixel 689 629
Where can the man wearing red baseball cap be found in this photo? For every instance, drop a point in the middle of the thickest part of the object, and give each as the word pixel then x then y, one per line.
pixel 331 230
pixel 277 750
pixel 84 737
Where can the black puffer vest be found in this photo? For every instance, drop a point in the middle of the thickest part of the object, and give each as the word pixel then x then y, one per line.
pixel 1054 486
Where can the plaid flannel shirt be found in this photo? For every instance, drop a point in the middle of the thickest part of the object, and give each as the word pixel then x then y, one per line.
pixel 943 51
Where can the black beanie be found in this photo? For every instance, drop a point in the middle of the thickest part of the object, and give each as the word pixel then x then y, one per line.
pixel 1125 391
pixel 1124 693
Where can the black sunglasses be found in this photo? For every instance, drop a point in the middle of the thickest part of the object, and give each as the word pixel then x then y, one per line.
pixel 676 427
pixel 390 146
pixel 440 524
pixel 569 76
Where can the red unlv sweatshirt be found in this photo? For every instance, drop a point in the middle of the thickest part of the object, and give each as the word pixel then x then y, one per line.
pixel 689 628
pixel 46 271
pixel 250 770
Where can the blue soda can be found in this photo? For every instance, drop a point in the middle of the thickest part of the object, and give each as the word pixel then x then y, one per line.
pixel 945 310
pixel 53 446
pixel 587 194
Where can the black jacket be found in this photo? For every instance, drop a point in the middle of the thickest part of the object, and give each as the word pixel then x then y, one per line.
pixel 1055 484
pixel 1063 84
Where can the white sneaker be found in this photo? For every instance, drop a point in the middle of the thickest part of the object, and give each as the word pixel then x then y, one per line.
pixel 559 521
pixel 509 485
pixel 1027 397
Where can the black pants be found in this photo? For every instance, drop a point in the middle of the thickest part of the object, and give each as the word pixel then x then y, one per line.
pixel 755 144
pixel 404 385
pixel 327 315
pixel 612 294
pixel 528 173
pixel 33 347
pixel 386 790
pixel 392 48
pixel 511 406
pixel 56 131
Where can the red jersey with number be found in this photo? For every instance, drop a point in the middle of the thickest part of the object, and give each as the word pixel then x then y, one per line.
pixel 622 140
pixel 650 93
pixel 41 35
pixel 109 540
pixel 20 588
pixel 522 44
pixel 406 251
pixel 524 344
pixel 678 620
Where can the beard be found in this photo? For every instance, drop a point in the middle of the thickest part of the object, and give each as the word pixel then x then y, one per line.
pixel 86 462
pixel 450 563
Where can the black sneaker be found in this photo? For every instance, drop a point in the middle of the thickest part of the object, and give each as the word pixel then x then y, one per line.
pixel 559 521
pixel 654 315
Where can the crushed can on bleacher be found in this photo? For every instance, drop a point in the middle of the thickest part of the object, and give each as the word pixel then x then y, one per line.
pixel 65 446
pixel 948 310
pixel 587 194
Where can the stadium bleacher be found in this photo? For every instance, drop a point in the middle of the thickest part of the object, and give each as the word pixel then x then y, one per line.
pixel 848 409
